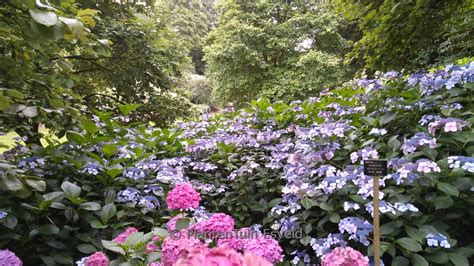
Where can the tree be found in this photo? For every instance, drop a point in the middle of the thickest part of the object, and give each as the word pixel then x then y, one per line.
pixel 192 21
pixel 143 64
pixel 35 75
pixel 410 34
pixel 282 50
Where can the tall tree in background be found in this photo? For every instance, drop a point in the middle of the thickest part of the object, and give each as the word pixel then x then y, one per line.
pixel 36 76
pixel 143 64
pixel 191 20
pixel 410 34
pixel 283 50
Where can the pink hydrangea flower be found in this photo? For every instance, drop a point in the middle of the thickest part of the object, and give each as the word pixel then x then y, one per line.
pixel 251 259
pixel 448 124
pixel 450 127
pixel 264 246
pixel 150 247
pixel 98 259
pixel 177 245
pixel 120 239
pixel 237 240
pixel 216 226
pixel 345 257
pixel 427 166
pixel 183 196
pixel 9 258
pixel 220 256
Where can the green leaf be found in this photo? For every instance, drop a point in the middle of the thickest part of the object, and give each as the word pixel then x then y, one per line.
pixel 418 260
pixel 153 256
pixel 30 111
pixel 15 94
pixel 86 248
pixel 182 224
pixel 10 221
pixel 386 118
pixel 113 172
pixel 12 183
pixel 110 245
pixel 67 260
pixel 160 232
pixel 305 240
pixel 307 203
pixel 107 212
pixel 48 229
pixel 414 233
pixel 109 149
pixel 75 137
pixel 274 202
pixel 87 12
pixel 334 217
pixel 439 257
pixel 443 202
pixel 448 189
pixel 409 244
pixel 135 239
pixel 38 185
pixel 4 103
pixel 54 196
pixel 46 18
pixel 128 108
pixel 326 206
pixel 90 206
pixel 71 189
pixel 400 261
pixel 458 259
pixel 97 224
pixel 90 126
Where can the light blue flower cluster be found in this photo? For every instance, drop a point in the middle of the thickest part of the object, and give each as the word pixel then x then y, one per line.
pixel 463 162
pixel 92 169
pixel 134 173
pixel 437 240
pixel 357 229
pixel 324 245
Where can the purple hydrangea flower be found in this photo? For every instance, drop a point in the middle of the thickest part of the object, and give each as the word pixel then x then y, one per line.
pixel 134 173
pixel 149 202
pixel 9 258
pixel 357 228
pixel 129 194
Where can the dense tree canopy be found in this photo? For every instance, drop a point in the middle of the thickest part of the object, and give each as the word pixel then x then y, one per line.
pixel 410 34
pixel 35 75
pixel 278 50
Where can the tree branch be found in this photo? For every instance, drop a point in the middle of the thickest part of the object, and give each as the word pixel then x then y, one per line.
pixel 103 95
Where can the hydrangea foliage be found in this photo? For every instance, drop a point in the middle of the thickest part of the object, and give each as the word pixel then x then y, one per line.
pixel 285 167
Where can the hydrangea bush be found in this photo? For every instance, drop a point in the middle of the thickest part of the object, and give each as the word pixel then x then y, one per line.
pixel 280 167
pixel 190 240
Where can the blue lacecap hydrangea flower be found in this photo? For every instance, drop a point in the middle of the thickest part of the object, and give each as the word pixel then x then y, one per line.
pixel 134 173
pixel 129 194
pixel 437 240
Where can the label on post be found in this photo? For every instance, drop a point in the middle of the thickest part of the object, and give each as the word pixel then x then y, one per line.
pixel 375 167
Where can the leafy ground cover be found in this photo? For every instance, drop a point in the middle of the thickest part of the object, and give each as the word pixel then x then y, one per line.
pixel 274 167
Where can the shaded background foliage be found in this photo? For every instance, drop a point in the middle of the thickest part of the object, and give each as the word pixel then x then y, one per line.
pixel 281 50
pixel 410 34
